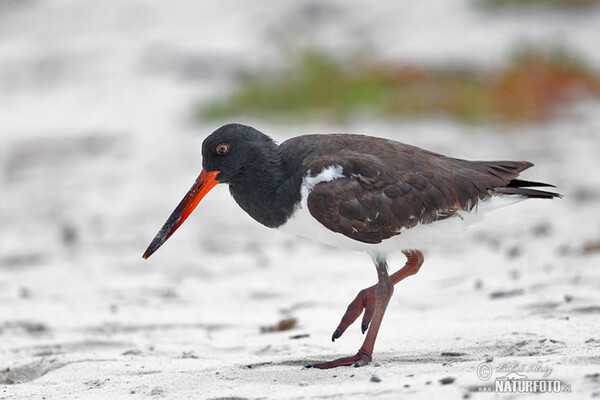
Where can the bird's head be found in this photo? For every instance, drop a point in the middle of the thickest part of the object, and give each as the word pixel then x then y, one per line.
pixel 235 150
pixel 228 154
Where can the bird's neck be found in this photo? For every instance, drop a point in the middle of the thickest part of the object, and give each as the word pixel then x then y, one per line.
pixel 267 193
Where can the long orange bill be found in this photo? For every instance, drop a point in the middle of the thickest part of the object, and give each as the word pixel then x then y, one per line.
pixel 205 182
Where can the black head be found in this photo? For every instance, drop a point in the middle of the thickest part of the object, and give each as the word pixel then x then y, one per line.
pixel 235 150
pixel 231 154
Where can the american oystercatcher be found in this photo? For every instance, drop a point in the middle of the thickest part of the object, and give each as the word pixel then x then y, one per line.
pixel 353 191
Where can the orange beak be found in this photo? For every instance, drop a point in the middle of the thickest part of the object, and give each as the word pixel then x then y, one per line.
pixel 205 182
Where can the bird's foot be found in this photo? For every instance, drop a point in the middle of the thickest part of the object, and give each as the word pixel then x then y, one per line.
pixel 358 360
pixel 365 300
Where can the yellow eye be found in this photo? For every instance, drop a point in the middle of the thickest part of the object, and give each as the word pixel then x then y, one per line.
pixel 223 148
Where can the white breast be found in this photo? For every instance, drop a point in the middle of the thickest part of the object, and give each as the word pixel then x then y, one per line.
pixel 440 232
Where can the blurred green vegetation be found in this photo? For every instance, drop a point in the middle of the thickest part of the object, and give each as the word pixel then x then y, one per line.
pixel 531 87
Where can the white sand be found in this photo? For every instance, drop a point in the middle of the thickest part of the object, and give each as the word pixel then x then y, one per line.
pixel 96 152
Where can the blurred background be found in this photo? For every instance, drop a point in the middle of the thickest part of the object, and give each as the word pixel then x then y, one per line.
pixel 104 106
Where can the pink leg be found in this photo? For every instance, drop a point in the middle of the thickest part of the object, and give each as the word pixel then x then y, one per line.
pixel 374 301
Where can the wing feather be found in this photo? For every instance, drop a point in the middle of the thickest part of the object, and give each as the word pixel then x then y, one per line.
pixel 388 186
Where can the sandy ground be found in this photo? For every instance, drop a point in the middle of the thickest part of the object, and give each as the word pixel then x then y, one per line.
pixel 92 165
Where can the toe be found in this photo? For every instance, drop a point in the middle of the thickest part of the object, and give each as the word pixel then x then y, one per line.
pixel 365 300
pixel 336 335
pixel 369 310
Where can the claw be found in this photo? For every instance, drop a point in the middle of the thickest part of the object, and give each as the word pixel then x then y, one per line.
pixel 336 335
pixel 361 363
pixel 364 328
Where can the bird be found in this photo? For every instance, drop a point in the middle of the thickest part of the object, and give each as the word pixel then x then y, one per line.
pixel 355 192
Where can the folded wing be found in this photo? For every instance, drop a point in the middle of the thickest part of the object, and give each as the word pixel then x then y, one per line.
pixel 394 186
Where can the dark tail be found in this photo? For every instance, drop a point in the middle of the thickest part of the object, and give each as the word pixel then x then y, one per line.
pixel 521 187
pixel 506 182
pixel 501 177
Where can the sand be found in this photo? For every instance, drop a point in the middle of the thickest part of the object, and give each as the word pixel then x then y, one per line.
pixel 93 165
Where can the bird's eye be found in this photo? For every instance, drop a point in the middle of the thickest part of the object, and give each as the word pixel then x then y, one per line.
pixel 223 148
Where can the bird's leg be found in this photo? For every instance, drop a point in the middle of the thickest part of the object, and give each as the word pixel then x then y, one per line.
pixel 383 292
pixel 365 300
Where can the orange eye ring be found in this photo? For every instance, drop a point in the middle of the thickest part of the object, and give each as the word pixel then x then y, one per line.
pixel 222 149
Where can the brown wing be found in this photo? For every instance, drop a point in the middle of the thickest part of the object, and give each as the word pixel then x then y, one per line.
pixel 389 186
